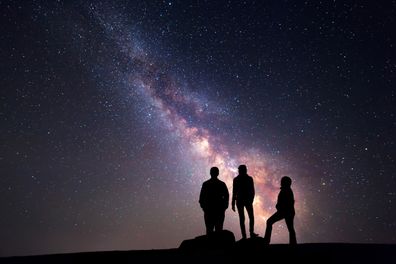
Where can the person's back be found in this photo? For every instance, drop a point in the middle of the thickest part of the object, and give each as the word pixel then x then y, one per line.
pixel 214 201
pixel 285 202
pixel 243 189
pixel 214 195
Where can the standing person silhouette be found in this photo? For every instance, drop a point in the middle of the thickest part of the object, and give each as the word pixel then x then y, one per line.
pixel 214 198
pixel 243 195
pixel 285 209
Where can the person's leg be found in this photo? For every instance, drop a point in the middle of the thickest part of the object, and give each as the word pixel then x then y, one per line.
pixel 274 218
pixel 209 222
pixel 249 209
pixel 290 226
pixel 241 214
pixel 219 220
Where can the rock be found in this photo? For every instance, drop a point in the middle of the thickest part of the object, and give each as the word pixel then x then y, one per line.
pixel 255 243
pixel 218 240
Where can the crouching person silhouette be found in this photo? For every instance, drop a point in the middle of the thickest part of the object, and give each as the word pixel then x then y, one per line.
pixel 285 210
pixel 213 199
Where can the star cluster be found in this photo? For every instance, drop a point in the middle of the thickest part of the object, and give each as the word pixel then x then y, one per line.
pixel 112 114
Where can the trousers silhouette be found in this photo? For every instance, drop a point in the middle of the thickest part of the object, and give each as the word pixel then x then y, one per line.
pixel 241 213
pixel 289 218
pixel 214 221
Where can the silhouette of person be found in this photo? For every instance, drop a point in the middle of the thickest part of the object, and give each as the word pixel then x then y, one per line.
pixel 285 210
pixel 243 194
pixel 214 198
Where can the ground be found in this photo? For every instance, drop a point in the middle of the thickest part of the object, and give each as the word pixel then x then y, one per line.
pixel 242 252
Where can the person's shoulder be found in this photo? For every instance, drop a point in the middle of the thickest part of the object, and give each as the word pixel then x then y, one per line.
pixel 222 183
pixel 286 191
pixel 206 182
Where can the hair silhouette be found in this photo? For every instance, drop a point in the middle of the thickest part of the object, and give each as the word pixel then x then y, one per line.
pixel 285 210
pixel 243 195
pixel 286 182
pixel 214 172
pixel 242 169
pixel 214 198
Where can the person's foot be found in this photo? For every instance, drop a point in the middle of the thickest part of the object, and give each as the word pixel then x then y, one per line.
pixel 266 241
pixel 253 235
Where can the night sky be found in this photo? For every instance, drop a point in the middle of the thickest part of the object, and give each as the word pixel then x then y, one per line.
pixel 112 114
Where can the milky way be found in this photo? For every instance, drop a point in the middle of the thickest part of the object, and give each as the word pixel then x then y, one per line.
pixel 199 144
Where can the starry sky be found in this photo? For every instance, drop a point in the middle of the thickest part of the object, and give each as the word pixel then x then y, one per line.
pixel 112 114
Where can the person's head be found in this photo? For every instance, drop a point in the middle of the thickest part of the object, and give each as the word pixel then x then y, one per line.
pixel 242 169
pixel 286 181
pixel 214 172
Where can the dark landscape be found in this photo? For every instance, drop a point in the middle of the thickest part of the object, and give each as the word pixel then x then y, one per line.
pixel 202 250
pixel 303 253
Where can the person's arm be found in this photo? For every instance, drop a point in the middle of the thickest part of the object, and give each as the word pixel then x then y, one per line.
pixel 291 199
pixel 250 189
pixel 280 205
pixel 202 197
pixel 234 195
pixel 292 195
pixel 253 191
pixel 226 196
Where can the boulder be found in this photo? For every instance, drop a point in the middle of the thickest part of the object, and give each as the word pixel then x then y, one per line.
pixel 255 243
pixel 218 240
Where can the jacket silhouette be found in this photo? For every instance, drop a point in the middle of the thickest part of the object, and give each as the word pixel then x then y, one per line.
pixel 214 198
pixel 243 195
pixel 285 204
pixel 285 210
